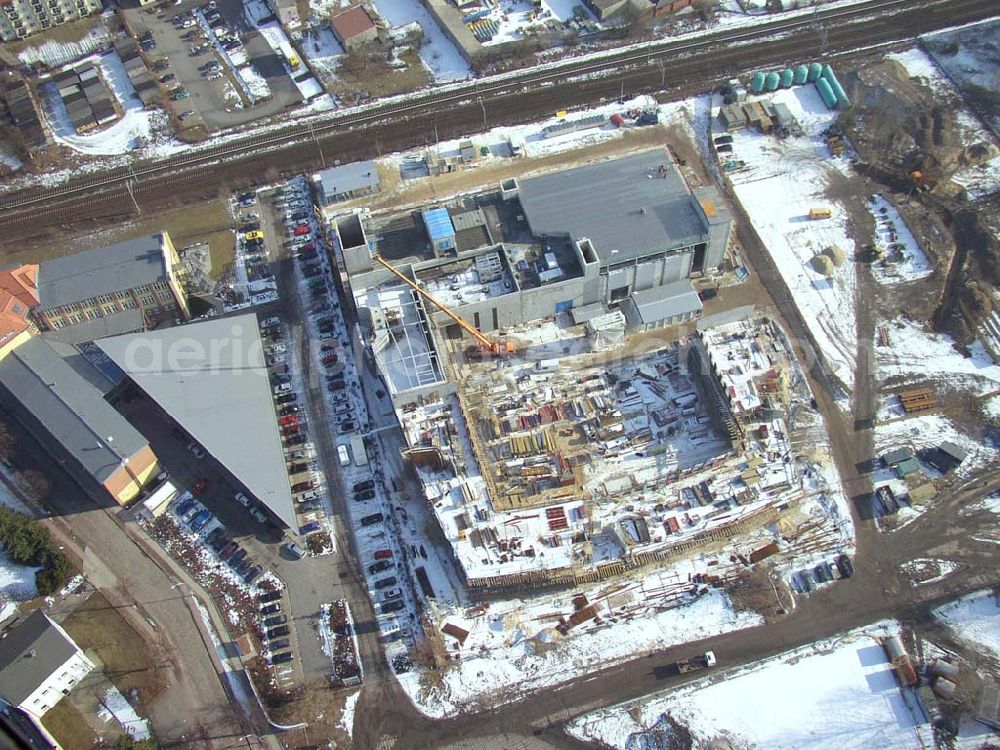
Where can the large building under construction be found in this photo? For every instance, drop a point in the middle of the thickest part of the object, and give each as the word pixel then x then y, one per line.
pixel 622 236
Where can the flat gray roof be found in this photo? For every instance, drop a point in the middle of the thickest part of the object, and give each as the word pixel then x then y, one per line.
pixel 72 410
pixel 347 178
pixel 30 653
pixel 210 376
pixel 105 270
pixel 624 206
pixel 667 301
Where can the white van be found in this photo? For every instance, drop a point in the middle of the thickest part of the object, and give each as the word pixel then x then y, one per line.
pixel 345 455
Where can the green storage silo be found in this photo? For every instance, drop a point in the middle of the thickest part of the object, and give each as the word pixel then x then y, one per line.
pixel 801 75
pixel 757 82
pixel 838 91
pixel 771 81
pixel 814 72
pixel 829 99
pixel 785 78
pixel 827 72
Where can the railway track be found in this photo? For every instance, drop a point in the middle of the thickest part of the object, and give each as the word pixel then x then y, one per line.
pixel 846 27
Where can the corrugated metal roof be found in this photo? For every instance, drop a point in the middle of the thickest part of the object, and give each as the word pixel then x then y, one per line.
pixel 438 223
pixel 222 398
pixel 69 407
pixel 29 654
pixel 105 270
pixel 347 178
pixel 625 207
pixel 665 302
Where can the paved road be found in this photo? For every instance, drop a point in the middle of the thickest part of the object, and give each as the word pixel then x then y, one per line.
pixel 194 708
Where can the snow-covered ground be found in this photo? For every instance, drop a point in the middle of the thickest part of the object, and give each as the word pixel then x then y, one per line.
pixel 915 355
pixel 114 705
pixel 52 53
pixel 929 430
pixel 135 128
pixel 779 184
pixel 974 618
pixel 347 717
pixel 441 56
pixel 838 694
pixel 16 581
pixel 903 258
pixel 322 49
pixel 977 180
pixel 536 656
pixel 256 83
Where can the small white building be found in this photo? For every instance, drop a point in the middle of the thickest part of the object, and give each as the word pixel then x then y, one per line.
pixel 39 664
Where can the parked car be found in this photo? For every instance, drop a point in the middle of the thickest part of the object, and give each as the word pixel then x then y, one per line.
pixel 288 398
pixel 186 114
pixel 269 609
pixel 220 543
pixel 392 606
pixel 269 596
pixel 344 427
pixel 178 95
pixel 301 231
pixel 228 550
pixel 243 567
pixel 200 519
pixel 273 622
pixel 310 527
pixel 168 78
pixel 272 321
pixel 845 566
pixel 383 554
pixel 238 557
pixel 291 419
pixel 293 550
pixel 278 645
pixel 372 519
pixel 184 506
pixel 283 658
pixel 366 484
pixel 364 495
pixel 199 486
pixel 384 583
pixel 278 632
pixel 302 486
pixel 378 567
pixel 196 450
pixel 242 499
pixel 391 594
pixel 258 515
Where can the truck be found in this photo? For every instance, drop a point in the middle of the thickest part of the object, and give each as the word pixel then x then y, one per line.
pixel 694 663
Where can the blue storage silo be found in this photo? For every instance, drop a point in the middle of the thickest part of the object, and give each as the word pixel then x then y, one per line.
pixel 771 81
pixel 827 72
pixel 801 74
pixel 785 78
pixel 814 72
pixel 757 82
pixel 829 99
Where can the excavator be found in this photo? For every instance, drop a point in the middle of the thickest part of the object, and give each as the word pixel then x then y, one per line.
pixel 488 345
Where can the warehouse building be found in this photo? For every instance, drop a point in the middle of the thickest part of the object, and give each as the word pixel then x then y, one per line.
pixel 346 182
pixel 660 306
pixel 210 378
pixel 130 286
pixel 67 414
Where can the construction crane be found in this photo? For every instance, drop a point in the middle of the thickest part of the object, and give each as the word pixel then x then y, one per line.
pixel 495 348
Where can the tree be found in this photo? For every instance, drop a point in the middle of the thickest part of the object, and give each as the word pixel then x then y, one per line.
pixel 7 444
pixel 128 742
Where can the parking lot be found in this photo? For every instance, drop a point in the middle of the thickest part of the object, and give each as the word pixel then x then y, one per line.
pixel 220 101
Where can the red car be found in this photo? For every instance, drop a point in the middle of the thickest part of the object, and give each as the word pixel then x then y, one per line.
pixel 289 421
pixel 299 231
pixel 199 486
pixel 383 554
pixel 307 248
pixel 329 359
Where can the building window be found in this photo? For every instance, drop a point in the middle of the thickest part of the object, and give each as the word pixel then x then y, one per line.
pixel 147 300
pixel 109 309
pixel 75 318
pixel 619 293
